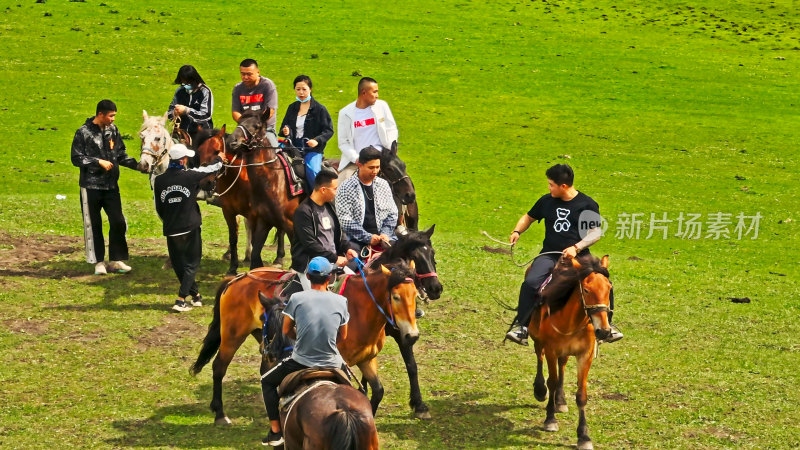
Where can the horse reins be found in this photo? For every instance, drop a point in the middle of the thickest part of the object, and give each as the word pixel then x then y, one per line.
pixel 587 309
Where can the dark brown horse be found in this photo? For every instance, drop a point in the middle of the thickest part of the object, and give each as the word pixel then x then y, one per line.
pixel 270 201
pixel 233 187
pixel 575 309
pixel 393 170
pixel 239 313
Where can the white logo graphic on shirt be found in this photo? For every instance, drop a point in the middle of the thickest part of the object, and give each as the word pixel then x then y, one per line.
pixel 326 223
pixel 562 224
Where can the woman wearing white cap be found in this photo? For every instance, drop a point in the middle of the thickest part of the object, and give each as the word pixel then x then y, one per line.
pixel 175 191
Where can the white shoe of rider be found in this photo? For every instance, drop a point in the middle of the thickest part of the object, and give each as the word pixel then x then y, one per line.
pixel 118 267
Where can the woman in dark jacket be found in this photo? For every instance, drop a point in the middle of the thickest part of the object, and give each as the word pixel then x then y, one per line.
pixel 192 102
pixel 309 126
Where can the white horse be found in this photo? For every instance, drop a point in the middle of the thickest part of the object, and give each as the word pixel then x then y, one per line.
pixel 156 143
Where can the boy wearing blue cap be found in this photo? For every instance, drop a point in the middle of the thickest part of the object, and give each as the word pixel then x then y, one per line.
pixel 315 319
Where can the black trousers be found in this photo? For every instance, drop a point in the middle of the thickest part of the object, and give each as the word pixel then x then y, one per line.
pixel 541 268
pixel 270 382
pixel 185 251
pixel 92 202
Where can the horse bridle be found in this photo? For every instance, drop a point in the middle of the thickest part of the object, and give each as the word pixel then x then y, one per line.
pixel 158 156
pixel 587 309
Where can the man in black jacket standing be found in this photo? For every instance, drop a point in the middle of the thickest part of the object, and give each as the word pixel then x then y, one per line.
pixel 175 191
pixel 316 228
pixel 98 150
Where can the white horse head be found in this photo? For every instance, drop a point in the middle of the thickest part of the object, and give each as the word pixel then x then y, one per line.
pixel 156 143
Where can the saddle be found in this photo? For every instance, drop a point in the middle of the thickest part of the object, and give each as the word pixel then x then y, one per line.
pixel 298 383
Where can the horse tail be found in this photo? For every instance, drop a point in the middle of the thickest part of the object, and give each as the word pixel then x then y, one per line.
pixel 212 340
pixel 343 427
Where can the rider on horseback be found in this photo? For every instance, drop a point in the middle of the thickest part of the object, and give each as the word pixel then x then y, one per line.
pixel 572 224
pixel 316 319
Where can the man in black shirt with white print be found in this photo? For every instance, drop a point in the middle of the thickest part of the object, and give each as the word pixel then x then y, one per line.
pixel 561 210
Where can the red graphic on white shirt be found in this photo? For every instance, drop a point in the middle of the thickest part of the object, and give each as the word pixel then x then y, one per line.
pixel 364 123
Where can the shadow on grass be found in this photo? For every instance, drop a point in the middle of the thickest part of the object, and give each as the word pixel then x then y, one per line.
pixel 468 421
pixel 191 425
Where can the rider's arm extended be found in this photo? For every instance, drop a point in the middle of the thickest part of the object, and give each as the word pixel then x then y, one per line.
pixel 342 333
pixel 523 224
pixel 592 236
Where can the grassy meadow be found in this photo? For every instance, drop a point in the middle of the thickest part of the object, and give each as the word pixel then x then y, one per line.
pixel 666 108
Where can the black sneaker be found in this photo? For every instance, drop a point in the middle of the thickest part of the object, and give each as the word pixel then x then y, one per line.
pixel 419 313
pixel 613 337
pixel 181 306
pixel 273 439
pixel 518 335
pixel 197 300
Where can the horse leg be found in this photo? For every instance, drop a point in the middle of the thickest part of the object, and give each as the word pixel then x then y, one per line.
pixel 561 400
pixel 227 349
pixel 233 241
pixel 539 388
pixel 364 389
pixel 550 423
pixel 248 249
pixel 370 371
pixel 260 232
pixel 281 251
pixel 420 408
pixel 584 363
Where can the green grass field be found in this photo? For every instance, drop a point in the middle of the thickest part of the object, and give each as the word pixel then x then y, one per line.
pixel 665 108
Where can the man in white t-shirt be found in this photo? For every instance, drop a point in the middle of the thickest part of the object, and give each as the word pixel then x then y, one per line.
pixel 363 123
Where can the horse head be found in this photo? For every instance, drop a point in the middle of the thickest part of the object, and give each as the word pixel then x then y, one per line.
pixel 251 130
pixel 403 299
pixel 210 144
pixel 155 143
pixel 416 246
pixel 393 170
pixel 278 346
pixel 595 289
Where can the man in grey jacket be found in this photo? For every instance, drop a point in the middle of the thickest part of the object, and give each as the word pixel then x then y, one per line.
pixel 99 151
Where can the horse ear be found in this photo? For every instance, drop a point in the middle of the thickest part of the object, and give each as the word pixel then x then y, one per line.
pixel 166 117
pixel 385 270
pixel 144 115
pixel 604 261
pixel 429 231
pixel 222 131
pixel 574 261
pixel 262 297
pixel 394 148
pixel 267 114
pixel 412 265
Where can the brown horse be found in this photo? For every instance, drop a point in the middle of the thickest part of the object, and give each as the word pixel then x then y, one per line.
pixel 233 187
pixel 270 201
pixel 575 309
pixel 238 313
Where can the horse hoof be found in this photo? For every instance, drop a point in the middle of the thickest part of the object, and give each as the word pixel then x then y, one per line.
pixel 585 445
pixel 223 421
pixel 540 394
pixel 422 415
pixel 551 426
pixel 278 262
pixel 561 408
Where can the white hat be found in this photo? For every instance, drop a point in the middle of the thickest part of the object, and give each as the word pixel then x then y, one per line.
pixel 178 151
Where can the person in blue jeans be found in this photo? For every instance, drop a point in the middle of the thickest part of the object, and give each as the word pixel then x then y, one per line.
pixel 309 126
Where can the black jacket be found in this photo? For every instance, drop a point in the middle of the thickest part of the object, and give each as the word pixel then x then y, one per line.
pixel 92 144
pixel 175 191
pixel 306 244
pixel 319 124
pixel 200 104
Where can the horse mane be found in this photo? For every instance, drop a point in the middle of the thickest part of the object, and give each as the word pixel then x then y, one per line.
pixel 401 273
pixel 203 135
pixel 402 247
pixel 566 277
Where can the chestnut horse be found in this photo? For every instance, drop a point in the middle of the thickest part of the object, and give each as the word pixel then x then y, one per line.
pixel 270 201
pixel 233 187
pixel 575 309
pixel 239 312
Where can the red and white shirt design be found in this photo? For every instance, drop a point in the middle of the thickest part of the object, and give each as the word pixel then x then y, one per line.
pixel 365 131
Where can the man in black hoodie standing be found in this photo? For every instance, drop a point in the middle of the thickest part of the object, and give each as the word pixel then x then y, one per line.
pixel 175 191
pixel 316 228
pixel 98 150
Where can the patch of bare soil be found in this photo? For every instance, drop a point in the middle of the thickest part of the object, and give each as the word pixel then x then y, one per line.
pixel 32 327
pixel 18 253
pixel 174 328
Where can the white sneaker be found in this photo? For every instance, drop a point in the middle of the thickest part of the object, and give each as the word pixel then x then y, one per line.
pixel 100 268
pixel 118 267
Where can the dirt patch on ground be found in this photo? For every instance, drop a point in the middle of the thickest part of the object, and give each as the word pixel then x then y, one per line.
pixel 19 252
pixel 174 328
pixel 615 396
pixel 32 327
